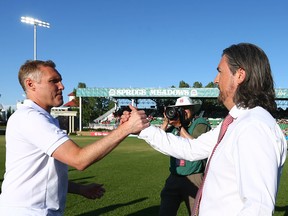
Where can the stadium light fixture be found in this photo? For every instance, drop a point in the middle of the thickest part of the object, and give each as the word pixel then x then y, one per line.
pixel 35 23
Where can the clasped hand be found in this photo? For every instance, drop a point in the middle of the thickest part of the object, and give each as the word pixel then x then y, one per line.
pixel 137 118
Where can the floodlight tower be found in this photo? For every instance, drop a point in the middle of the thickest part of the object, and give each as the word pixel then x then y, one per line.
pixel 36 23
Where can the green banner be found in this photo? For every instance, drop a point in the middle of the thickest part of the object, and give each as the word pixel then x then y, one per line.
pixel 159 92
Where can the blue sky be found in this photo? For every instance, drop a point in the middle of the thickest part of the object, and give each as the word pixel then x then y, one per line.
pixel 137 43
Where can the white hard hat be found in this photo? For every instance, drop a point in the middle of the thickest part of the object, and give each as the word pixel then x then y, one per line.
pixel 187 101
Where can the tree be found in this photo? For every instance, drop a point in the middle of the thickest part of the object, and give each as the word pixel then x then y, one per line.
pixel 93 107
pixel 183 84
pixel 211 85
pixel 10 111
pixel 81 85
pixel 197 85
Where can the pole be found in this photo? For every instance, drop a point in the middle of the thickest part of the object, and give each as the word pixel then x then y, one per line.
pixel 35 41
pixel 80 114
pixel 35 23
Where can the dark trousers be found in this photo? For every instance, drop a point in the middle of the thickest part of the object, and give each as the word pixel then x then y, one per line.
pixel 178 189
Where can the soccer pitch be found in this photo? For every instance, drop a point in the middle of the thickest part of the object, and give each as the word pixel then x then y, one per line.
pixel 133 175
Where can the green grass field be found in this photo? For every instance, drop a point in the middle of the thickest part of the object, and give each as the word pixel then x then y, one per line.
pixel 133 176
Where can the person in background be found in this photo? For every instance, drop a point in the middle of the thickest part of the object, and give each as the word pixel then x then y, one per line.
pixel 185 176
pixel 38 152
pixel 244 164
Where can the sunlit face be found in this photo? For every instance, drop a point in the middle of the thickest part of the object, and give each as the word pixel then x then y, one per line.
pixel 226 82
pixel 48 92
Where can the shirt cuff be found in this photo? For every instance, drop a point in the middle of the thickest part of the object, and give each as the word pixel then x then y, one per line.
pixel 147 132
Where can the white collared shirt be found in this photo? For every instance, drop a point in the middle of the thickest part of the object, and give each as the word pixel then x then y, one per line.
pixel 245 169
pixel 34 182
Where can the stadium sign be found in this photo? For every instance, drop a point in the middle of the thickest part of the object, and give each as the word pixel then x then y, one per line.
pixel 147 92
pixel 281 93
pixel 159 92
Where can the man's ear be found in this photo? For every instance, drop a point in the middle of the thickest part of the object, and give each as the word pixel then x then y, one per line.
pixel 29 84
pixel 240 75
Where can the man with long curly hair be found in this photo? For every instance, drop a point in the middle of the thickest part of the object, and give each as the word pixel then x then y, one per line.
pixel 244 167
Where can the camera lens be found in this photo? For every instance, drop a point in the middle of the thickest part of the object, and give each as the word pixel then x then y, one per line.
pixel 171 113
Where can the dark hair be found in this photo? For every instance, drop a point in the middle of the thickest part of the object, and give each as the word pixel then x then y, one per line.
pixel 31 69
pixel 258 87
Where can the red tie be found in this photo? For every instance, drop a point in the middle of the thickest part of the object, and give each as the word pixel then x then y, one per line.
pixel 227 121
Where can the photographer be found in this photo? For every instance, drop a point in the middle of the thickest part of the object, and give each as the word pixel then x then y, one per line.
pixel 185 176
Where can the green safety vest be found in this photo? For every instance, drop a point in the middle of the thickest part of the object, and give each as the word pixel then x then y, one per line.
pixel 184 167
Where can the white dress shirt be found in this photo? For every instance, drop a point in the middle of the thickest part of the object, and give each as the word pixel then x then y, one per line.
pixel 245 169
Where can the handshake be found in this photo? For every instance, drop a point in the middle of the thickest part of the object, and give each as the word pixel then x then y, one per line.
pixel 134 120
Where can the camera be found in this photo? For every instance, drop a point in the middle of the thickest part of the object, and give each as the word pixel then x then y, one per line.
pixel 175 113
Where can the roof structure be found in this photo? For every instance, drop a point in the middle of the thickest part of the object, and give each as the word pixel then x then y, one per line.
pixel 71 103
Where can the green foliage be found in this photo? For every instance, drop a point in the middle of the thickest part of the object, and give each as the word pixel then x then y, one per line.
pixel 197 85
pixel 211 85
pixel 183 84
pixel 81 85
pixel 93 107
pixel 10 111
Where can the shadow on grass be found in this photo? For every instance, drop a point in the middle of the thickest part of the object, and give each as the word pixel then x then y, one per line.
pixel 149 211
pixel 82 180
pixel 283 209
